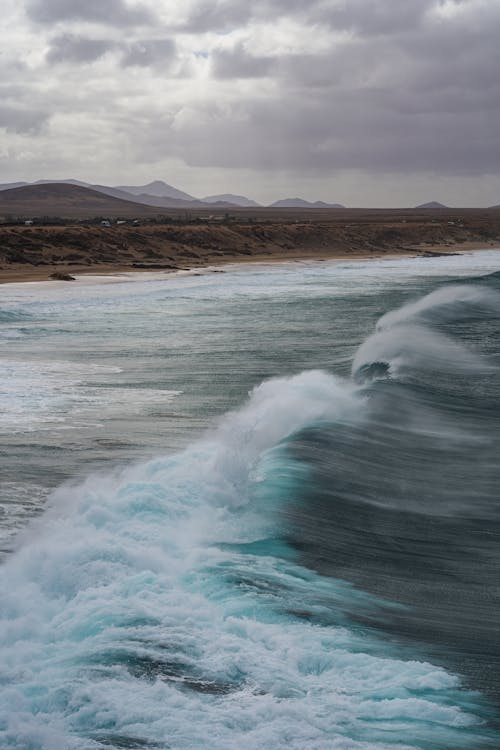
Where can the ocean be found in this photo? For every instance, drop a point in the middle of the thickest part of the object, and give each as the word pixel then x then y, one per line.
pixel 252 507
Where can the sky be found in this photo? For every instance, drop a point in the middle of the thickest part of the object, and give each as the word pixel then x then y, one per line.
pixel 362 102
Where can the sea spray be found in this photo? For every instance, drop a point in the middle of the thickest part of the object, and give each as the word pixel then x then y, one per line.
pixel 406 340
pixel 196 598
pixel 126 619
pixel 449 304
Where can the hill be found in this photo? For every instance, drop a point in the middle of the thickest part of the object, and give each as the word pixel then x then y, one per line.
pixel 67 201
pixel 155 198
pixel 432 204
pixel 10 185
pixel 234 200
pixel 301 203
pixel 161 195
pixel 157 189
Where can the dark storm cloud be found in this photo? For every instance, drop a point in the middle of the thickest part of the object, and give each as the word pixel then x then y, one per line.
pixel 148 52
pixel 238 63
pixel 79 49
pixel 22 120
pixel 112 12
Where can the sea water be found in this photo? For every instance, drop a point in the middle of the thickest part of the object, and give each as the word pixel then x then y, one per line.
pixel 252 509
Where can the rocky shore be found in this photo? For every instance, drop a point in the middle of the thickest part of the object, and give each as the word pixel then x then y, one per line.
pixel 39 251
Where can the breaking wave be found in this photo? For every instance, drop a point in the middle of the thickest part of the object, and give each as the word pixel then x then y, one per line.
pixel 241 593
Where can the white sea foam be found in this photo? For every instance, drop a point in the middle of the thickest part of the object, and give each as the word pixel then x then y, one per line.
pixel 131 609
pixel 40 395
pixel 448 303
pixel 411 347
pixel 123 614
pixel 405 338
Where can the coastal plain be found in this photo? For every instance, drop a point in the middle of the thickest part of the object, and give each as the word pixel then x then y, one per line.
pixel 74 242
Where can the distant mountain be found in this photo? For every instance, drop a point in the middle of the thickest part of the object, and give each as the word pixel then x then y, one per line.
pixel 58 182
pixel 159 194
pixel 301 203
pixel 432 204
pixel 67 201
pixel 149 199
pixel 152 200
pixel 234 200
pixel 114 192
pixel 100 188
pixel 11 185
pixel 158 189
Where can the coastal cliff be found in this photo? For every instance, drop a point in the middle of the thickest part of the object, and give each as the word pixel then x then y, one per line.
pixel 37 250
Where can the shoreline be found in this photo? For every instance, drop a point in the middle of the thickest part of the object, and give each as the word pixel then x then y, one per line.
pixel 25 273
pixel 33 252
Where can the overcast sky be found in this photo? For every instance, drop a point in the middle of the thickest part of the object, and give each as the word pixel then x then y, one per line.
pixel 363 102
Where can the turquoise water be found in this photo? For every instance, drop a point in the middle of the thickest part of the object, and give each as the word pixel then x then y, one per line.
pixel 252 509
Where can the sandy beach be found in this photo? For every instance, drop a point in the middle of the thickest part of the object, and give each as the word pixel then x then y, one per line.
pixel 34 253
pixel 108 272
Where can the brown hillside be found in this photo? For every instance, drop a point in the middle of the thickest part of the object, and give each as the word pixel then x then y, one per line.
pixel 68 202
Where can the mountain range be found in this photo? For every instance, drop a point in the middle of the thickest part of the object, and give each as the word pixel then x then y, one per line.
pixel 159 194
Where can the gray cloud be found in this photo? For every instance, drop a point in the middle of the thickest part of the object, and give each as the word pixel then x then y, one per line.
pixel 238 63
pixel 361 16
pixel 23 120
pixel 367 17
pixel 149 52
pixel 404 91
pixel 111 12
pixel 218 14
pixel 222 15
pixel 78 49
pixel 72 48
pixel 380 131
pixel 407 92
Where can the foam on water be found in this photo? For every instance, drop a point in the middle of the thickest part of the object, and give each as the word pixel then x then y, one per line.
pixel 163 605
pixel 450 303
pixel 64 395
pixel 19 502
pixel 130 618
pixel 405 340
